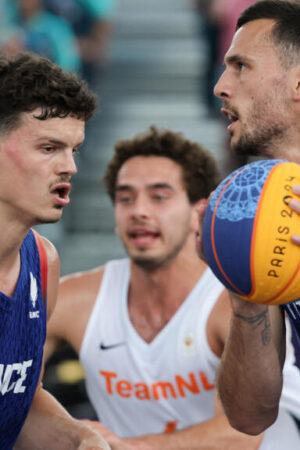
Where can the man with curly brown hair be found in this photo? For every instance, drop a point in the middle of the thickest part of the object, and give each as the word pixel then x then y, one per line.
pixel 150 329
pixel 42 119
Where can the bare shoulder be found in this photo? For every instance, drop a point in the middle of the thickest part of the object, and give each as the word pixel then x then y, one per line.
pixel 218 323
pixel 81 287
pixel 77 294
pixel 53 270
pixel 52 254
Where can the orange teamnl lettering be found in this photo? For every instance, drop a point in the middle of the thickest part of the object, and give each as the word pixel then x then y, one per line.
pixel 193 384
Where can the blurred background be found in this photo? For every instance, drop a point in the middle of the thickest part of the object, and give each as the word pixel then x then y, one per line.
pixel 151 62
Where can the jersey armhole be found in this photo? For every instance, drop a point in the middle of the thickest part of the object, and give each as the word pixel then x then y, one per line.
pixel 43 263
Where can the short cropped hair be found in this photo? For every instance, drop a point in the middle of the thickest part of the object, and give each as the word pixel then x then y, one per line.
pixel 285 33
pixel 29 81
pixel 199 168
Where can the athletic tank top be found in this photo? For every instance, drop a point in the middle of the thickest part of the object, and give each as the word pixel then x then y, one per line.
pixel 22 336
pixel 138 388
pixel 165 385
pixel 293 310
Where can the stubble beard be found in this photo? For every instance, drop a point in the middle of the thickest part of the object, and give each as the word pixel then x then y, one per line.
pixel 153 263
pixel 266 127
pixel 266 142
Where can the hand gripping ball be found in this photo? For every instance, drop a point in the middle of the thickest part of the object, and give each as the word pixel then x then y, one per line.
pixel 247 231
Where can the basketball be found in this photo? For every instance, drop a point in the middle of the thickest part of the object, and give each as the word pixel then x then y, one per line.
pixel 247 231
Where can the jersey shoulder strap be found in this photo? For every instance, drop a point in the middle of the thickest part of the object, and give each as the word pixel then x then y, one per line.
pixel 43 262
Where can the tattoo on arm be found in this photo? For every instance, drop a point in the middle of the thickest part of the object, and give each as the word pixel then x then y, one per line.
pixel 258 320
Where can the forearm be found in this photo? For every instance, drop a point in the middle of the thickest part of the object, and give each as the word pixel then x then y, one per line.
pixel 212 434
pixel 250 375
pixel 49 426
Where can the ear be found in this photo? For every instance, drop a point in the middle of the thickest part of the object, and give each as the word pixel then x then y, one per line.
pixel 296 87
pixel 195 215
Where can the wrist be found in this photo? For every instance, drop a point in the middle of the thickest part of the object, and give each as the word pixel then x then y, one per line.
pixel 241 306
pixel 88 437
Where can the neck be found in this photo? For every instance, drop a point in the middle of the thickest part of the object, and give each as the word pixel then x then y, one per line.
pixel 154 297
pixel 10 262
pixel 292 154
pixel 288 146
pixel 174 279
pixel 13 233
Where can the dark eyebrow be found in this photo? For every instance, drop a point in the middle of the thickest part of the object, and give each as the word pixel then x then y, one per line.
pixel 58 142
pixel 160 186
pixel 236 58
pixel 123 187
pixel 52 141
pixel 127 187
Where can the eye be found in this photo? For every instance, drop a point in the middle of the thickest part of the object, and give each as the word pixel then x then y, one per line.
pixel 241 66
pixel 48 149
pixel 159 197
pixel 75 151
pixel 124 199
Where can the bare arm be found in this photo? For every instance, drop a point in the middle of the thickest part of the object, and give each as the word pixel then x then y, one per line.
pixel 250 377
pixel 48 425
pixel 76 296
pixel 212 434
pixel 250 374
pixel 253 359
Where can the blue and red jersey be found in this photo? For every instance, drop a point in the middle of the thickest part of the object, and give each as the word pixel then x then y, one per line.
pixel 22 337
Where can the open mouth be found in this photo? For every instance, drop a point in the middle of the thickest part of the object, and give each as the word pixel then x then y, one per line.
pixel 143 237
pixel 229 115
pixel 135 234
pixel 61 193
pixel 232 118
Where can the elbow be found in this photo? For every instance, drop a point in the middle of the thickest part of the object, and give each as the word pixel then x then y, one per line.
pixel 254 425
pixel 253 429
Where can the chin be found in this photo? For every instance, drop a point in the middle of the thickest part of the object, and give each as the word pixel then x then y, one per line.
pixel 51 218
pixel 146 263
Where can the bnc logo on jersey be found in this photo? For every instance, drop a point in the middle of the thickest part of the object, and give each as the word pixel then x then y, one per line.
pixel 12 377
pixel 33 297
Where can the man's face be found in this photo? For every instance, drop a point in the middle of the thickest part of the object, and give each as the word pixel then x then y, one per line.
pixel 152 210
pixel 255 92
pixel 36 166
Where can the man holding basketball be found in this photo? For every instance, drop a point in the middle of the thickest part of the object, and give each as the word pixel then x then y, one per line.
pixel 150 329
pixel 42 118
pixel 260 89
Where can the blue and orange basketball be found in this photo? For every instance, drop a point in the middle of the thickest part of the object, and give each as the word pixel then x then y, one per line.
pixel 247 231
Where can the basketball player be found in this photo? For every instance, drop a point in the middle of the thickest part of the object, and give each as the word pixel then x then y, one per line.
pixel 150 329
pixel 260 89
pixel 42 118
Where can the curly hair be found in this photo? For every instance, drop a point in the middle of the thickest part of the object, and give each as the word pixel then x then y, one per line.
pixel 29 81
pixel 285 33
pixel 200 172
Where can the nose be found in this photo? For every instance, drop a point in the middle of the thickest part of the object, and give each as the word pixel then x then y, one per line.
pixel 67 163
pixel 140 207
pixel 221 89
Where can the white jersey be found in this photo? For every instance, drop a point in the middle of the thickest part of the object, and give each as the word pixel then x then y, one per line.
pixel 139 388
